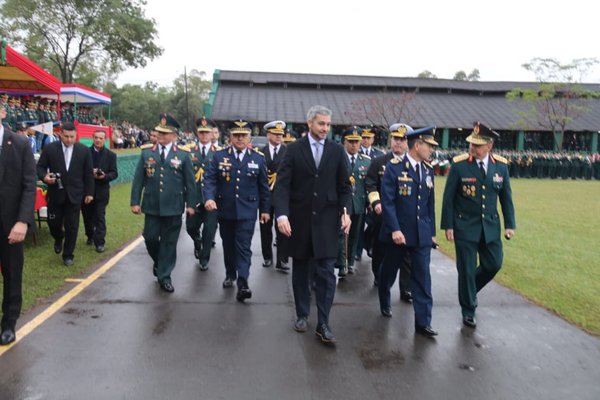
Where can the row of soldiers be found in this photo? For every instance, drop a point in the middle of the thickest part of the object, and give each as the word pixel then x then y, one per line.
pixel 541 165
pixel 34 111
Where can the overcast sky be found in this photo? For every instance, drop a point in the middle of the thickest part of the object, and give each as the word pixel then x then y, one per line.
pixel 374 37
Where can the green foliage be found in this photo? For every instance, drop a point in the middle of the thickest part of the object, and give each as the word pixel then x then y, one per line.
pixel 552 260
pixel 460 76
pixel 427 74
pixel 558 99
pixel 81 40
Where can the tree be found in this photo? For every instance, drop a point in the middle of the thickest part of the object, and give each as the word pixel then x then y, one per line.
pixel 197 88
pixel 70 38
pixel 140 105
pixel 460 76
pixel 558 98
pixel 427 75
pixel 384 109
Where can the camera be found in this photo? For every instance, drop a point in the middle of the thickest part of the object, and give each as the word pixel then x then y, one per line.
pixel 58 180
pixel 99 172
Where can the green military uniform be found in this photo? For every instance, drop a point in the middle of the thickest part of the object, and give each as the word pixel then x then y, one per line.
pixel 207 220
pixel 470 209
pixel 358 165
pixel 167 187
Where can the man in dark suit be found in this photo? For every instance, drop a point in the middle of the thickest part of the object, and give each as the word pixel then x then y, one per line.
pixel 313 198
pixel 104 164
pixel 375 173
pixel 17 198
pixel 273 152
pixel 236 187
pixel 477 181
pixel 66 167
pixel 408 202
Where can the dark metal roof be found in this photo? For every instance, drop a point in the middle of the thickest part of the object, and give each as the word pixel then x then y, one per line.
pixel 266 96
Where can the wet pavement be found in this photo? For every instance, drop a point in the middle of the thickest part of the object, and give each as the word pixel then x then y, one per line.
pixel 123 338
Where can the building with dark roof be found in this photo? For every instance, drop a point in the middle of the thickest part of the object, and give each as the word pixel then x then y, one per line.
pixel 452 106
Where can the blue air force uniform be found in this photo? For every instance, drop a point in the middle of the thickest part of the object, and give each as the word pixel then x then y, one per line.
pixel 240 189
pixel 407 198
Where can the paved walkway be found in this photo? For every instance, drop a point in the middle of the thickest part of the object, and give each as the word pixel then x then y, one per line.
pixel 122 338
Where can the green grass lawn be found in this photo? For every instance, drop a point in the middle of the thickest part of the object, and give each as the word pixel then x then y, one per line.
pixel 44 272
pixel 553 260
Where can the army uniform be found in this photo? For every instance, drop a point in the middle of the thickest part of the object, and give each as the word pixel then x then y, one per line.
pixel 470 209
pixel 167 186
pixel 239 189
pixel 358 165
pixel 202 219
pixel 408 200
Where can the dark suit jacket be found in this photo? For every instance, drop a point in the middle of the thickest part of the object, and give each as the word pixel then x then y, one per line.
pixel 17 181
pixel 78 182
pixel 374 176
pixel 108 164
pixel 313 200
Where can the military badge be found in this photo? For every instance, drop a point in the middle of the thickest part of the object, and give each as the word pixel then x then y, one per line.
pixel 352 180
pixel 497 178
pixel 176 163
pixel 404 177
pixel 429 181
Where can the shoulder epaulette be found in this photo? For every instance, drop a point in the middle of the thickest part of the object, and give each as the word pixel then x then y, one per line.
pixel 394 160
pixel 461 157
pixel 427 164
pixel 500 158
pixel 184 148
pixel 364 156
pixel 146 146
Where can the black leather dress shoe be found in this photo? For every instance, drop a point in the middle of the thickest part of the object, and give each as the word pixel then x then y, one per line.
pixel 351 269
pixel 282 266
pixel 243 294
pixel 386 312
pixel 406 296
pixel 203 266
pixel 267 263
pixel 7 336
pixel 58 246
pixel 426 331
pixel 469 322
pixel 343 272
pixel 68 261
pixel 325 334
pixel 100 249
pixel 301 325
pixel 227 283
pixel 167 287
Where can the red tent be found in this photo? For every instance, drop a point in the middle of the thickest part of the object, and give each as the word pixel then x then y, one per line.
pixel 20 74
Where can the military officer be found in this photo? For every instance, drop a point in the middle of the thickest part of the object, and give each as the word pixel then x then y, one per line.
pixel 365 237
pixel 477 180
pixel 201 154
pixel 407 197
pixel 399 146
pixel 273 152
pixel 236 187
pixel 165 175
pixel 358 164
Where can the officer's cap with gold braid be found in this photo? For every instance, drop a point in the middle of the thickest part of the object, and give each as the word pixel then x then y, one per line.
pixel 482 134
pixel 167 124
pixel 352 133
pixel 289 136
pixel 240 127
pixel 275 127
pixel 400 130
pixel 367 132
pixel 204 125
pixel 426 134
